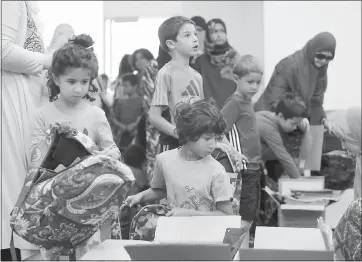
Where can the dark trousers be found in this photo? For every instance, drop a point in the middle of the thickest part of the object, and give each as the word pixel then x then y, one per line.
pixel 6 254
pixel 250 194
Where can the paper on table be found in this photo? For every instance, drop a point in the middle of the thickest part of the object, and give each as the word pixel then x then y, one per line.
pixel 196 229
pixel 288 238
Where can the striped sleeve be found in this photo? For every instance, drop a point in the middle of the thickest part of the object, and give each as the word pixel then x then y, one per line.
pixel 162 89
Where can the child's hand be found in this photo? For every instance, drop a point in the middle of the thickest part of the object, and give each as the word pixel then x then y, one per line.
pixel 327 125
pixel 64 126
pixel 179 212
pixel 108 152
pixel 304 125
pixel 133 200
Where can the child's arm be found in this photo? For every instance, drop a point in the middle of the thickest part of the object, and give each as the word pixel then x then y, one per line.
pixel 157 190
pixel 223 208
pixel 160 102
pixel 160 123
pixel 104 137
pixel 275 142
pixel 148 195
pixel 231 112
pixel 119 124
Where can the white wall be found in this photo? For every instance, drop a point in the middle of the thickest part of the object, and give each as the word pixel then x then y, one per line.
pixel 141 8
pixel 84 17
pixel 289 25
pixel 244 21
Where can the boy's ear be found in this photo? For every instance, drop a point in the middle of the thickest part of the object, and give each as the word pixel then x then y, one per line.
pixel 56 79
pixel 235 78
pixel 170 44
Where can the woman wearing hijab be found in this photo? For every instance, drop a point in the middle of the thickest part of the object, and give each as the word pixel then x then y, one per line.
pixel 303 73
pixel 125 67
pixel 346 125
pixel 347 239
pixel 217 62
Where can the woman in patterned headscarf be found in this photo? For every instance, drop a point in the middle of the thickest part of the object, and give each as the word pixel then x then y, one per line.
pixel 217 62
pixel 346 125
pixel 22 61
pixel 347 239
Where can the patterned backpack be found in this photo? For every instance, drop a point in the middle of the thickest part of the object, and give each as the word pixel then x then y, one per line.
pixel 60 211
pixel 144 223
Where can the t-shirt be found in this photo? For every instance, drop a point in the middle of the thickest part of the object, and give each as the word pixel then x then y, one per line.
pixel 91 121
pixel 127 110
pixel 239 110
pixel 196 185
pixel 269 131
pixel 175 84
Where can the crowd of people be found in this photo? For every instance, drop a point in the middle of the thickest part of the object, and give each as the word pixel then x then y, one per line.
pixel 165 117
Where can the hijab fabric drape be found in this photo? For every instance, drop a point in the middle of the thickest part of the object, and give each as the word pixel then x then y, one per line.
pixel 346 125
pixel 224 56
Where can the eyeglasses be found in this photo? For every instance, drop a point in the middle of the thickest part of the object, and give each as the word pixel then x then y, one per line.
pixel 324 57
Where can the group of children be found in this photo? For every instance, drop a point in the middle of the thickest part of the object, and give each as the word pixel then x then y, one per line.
pixel 193 182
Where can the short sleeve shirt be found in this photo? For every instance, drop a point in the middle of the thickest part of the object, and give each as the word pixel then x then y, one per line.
pixel 174 85
pixel 196 185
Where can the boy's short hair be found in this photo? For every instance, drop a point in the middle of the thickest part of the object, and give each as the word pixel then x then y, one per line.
pixel 291 106
pixel 170 28
pixel 104 77
pixel 134 156
pixel 133 79
pixel 198 118
pixel 247 64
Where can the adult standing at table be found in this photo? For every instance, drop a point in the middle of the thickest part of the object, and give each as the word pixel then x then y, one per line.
pixel 22 61
pixel 303 73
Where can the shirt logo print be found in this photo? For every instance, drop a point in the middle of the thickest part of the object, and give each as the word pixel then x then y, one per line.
pixel 191 90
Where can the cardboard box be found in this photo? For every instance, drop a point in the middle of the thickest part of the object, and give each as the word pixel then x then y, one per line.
pixel 294 214
pixel 287 244
pixel 300 215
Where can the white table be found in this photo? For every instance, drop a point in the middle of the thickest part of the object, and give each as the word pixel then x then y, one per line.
pixel 111 249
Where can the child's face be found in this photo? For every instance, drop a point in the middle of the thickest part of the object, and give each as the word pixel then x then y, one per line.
pixel 187 42
pixel 205 145
pixel 128 88
pixel 73 84
pixel 249 84
pixel 290 124
pixel 140 61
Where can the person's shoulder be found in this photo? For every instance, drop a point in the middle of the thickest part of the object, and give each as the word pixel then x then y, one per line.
pixel 264 114
pixel 166 70
pixel 95 111
pixel 266 121
pixel 167 155
pixel 194 72
pixel 287 64
pixel 215 165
